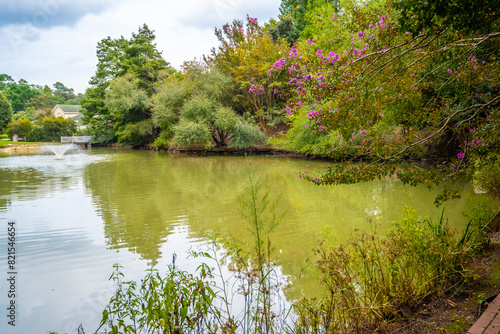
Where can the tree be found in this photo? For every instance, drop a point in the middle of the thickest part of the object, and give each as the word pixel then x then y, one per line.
pixel 141 61
pixel 479 16
pixel 30 113
pixel 41 102
pixel 129 105
pixel 100 121
pixel 5 111
pixel 354 91
pixel 247 57
pixel 52 129
pixel 63 92
pixel 194 111
pixel 5 80
pixel 20 93
pixel 22 127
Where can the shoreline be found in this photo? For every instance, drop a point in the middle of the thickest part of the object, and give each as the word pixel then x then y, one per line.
pixel 22 148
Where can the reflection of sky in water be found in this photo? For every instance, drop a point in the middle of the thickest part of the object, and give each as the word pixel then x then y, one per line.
pixel 64 263
pixel 78 216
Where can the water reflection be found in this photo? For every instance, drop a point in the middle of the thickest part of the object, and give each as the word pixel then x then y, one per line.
pixel 141 195
pixel 80 215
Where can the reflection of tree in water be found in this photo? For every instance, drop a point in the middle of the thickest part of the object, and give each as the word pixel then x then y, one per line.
pixel 133 213
pixel 29 184
pixel 142 195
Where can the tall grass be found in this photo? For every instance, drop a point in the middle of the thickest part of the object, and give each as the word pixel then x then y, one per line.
pixel 375 279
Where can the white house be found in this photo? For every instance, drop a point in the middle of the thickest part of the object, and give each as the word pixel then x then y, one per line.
pixel 69 111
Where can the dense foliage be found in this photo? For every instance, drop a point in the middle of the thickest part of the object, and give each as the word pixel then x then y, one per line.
pixel 29 117
pixel 363 87
pixel 195 110
pixel 5 111
pixel 117 107
pixel 137 99
pixel 379 81
pixel 43 129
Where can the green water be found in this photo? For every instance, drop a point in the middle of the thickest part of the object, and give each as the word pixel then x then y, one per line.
pixel 78 216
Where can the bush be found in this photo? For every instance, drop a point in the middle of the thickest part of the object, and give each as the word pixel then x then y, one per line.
pixel 23 127
pixel 371 279
pixel 52 129
pixel 176 303
pixel 487 175
pixel 136 134
pixel 245 134
pixel 163 141
pixel 191 133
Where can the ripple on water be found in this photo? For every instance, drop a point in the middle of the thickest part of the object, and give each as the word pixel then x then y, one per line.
pixel 49 164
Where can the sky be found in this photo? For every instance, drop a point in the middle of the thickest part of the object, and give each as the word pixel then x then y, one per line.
pixel 49 41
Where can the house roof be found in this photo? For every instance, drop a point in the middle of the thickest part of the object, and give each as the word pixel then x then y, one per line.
pixel 70 107
pixel 77 118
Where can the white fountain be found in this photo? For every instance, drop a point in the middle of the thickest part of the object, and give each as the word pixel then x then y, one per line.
pixel 59 150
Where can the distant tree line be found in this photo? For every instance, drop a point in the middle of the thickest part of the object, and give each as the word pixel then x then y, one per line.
pixel 25 109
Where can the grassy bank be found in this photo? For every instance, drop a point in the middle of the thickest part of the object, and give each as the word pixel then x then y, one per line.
pixel 7 146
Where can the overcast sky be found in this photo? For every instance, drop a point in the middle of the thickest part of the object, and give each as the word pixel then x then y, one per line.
pixel 45 41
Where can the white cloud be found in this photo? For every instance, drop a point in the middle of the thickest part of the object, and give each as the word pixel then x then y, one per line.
pixel 66 53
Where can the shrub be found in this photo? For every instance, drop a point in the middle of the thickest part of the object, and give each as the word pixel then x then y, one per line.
pixel 487 175
pixel 52 129
pixel 176 303
pixel 192 133
pixel 163 141
pixel 373 279
pixel 22 127
pixel 136 134
pixel 245 134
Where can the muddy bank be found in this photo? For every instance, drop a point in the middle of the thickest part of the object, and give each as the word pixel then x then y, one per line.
pixel 22 148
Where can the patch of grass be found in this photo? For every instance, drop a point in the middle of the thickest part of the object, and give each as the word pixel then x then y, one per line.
pixel 27 142
pixel 459 325
pixel 494 277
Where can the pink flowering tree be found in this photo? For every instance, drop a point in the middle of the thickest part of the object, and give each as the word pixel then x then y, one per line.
pixel 365 88
pixel 247 53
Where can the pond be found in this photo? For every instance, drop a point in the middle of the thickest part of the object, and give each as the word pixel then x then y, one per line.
pixel 76 217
